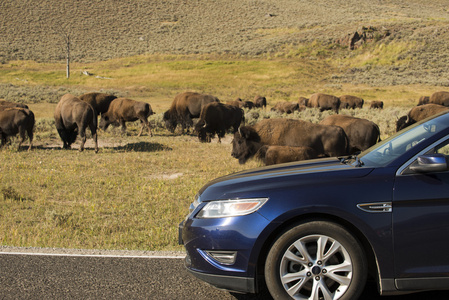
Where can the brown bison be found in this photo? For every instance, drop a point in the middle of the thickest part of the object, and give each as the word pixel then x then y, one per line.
pixel 377 104
pixel 248 104
pixel 325 140
pixel 271 155
pixel 324 102
pixel 351 102
pixel 184 107
pixel 441 98
pixel 5 103
pixel 303 101
pixel 73 116
pixel 122 110
pixel 423 100
pixel 260 101
pixel 99 101
pixel 218 118
pixel 15 120
pixel 237 103
pixel 419 113
pixel 287 107
pixel 361 133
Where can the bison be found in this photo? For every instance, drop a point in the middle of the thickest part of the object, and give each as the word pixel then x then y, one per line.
pixel 287 107
pixel 260 101
pixel 351 102
pixel 419 113
pixel 122 110
pixel 303 101
pixel 325 140
pixel 324 102
pixel 361 133
pixel 248 104
pixel 184 107
pixel 423 100
pixel 73 116
pixel 441 98
pixel 99 101
pixel 217 118
pixel 237 103
pixel 377 104
pixel 15 120
pixel 271 155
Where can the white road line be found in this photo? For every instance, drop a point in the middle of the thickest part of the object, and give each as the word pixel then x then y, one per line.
pixel 90 255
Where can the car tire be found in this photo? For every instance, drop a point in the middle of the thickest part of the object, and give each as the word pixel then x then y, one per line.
pixel 316 260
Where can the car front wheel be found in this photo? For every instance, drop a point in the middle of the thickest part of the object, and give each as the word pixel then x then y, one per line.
pixel 316 260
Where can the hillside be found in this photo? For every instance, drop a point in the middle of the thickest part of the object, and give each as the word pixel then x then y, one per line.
pixel 101 30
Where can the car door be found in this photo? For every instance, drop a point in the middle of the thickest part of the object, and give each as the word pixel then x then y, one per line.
pixel 421 226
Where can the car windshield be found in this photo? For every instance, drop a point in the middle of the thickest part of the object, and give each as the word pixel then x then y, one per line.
pixel 388 150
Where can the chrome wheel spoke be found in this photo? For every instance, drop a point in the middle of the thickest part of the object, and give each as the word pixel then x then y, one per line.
pixel 295 258
pixel 291 277
pixel 299 245
pixel 344 267
pixel 320 286
pixel 336 246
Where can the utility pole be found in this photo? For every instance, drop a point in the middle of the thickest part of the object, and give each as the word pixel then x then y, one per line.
pixel 67 43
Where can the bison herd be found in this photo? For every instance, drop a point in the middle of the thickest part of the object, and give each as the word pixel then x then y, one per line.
pixel 272 141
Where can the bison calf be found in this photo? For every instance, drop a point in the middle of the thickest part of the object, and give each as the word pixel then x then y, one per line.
pixel 15 120
pixel 122 110
pixel 73 116
pixel 271 155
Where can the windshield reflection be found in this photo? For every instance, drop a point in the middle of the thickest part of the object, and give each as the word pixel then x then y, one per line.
pixel 388 150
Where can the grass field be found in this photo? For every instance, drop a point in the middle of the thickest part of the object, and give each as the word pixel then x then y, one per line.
pixel 135 191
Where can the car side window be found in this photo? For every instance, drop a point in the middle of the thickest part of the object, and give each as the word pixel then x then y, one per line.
pixel 443 148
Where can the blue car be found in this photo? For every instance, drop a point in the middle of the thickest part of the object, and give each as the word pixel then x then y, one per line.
pixel 318 229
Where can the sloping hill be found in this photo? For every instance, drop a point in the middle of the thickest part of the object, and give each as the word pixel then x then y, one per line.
pixel 100 30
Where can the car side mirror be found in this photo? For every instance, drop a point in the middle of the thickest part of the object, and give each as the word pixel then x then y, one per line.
pixel 430 163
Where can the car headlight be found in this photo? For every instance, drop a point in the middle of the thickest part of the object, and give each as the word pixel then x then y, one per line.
pixel 231 208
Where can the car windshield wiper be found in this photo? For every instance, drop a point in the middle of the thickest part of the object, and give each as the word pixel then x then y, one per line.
pixel 352 159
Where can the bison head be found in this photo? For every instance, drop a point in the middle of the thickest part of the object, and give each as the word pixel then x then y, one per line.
pixel 403 122
pixel 245 144
pixel 105 121
pixel 203 134
pixel 170 121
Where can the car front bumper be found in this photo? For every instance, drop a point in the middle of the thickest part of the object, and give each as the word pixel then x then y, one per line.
pixel 202 238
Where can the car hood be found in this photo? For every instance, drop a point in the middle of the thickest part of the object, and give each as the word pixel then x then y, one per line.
pixel 253 183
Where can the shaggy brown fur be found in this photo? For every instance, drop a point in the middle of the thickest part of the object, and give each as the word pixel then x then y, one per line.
pixel 441 98
pixel 216 118
pixel 349 101
pixel 73 116
pixel 271 155
pixel 361 133
pixel 15 120
pixel 99 101
pixel 324 102
pixel 324 139
pixel 419 113
pixel 184 107
pixel 122 110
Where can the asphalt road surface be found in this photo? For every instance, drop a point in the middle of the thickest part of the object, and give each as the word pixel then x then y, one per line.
pixel 98 276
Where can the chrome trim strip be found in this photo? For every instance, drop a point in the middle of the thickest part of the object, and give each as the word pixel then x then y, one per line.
pixel 379 207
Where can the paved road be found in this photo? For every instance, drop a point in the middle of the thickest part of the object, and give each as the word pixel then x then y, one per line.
pixel 45 276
